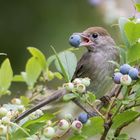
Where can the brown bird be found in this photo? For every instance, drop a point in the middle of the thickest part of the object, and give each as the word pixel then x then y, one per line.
pixel 94 64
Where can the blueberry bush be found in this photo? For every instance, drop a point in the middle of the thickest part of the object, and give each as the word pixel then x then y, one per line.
pixel 105 119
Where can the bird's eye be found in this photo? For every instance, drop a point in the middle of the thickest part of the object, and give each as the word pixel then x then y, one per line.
pixel 94 35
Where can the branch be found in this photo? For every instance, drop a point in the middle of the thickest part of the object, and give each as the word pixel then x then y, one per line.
pixel 57 95
pixel 106 130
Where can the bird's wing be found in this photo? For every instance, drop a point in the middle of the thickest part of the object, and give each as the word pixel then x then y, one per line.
pixel 81 69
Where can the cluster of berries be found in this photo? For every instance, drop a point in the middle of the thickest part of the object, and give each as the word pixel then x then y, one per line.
pixel 10 111
pixel 7 114
pixel 78 85
pixel 63 126
pixel 66 124
pixel 126 74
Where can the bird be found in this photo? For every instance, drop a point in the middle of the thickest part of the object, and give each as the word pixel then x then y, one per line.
pixel 95 64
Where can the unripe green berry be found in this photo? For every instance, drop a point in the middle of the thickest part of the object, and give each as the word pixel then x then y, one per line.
pixel 77 125
pixel 125 80
pixel 16 101
pixel 77 81
pixel 5 120
pixel 32 116
pixel 3 130
pixel 139 40
pixel 68 86
pixel 68 116
pixel 21 108
pixel 137 20
pixel 50 75
pixel 49 123
pixel 3 111
pixel 39 112
pixel 63 124
pixel 97 102
pixel 86 81
pixel 49 132
pixel 80 88
pixel 36 114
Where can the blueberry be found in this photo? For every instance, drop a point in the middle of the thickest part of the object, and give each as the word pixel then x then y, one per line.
pixel 133 73
pixel 117 76
pixel 83 117
pixel 75 40
pixel 124 69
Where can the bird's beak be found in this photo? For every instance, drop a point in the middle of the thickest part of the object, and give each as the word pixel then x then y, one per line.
pixel 85 40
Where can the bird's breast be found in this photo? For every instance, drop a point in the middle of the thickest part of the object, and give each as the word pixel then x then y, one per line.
pixel 100 71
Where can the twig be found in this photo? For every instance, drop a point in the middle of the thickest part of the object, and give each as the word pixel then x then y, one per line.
pixel 129 107
pixel 96 110
pixel 109 123
pixel 127 92
pixel 82 107
pixel 112 103
pixel 107 128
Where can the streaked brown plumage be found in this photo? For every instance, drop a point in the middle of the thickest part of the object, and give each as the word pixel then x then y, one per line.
pixel 93 64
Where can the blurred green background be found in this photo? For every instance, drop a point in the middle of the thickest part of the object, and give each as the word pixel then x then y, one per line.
pixel 43 23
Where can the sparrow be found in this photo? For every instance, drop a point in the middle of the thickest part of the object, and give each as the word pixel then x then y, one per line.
pixel 94 64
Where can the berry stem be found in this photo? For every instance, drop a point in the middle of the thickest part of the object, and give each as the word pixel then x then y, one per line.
pixel 129 88
pixel 96 110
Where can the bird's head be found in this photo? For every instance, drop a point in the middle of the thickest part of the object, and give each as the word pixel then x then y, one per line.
pixel 93 38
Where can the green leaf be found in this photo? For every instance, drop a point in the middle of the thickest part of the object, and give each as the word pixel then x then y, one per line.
pixel 6 76
pixel 122 51
pixel 132 31
pixel 58 75
pixel 122 137
pixel 122 22
pixel 133 53
pixel 18 78
pixel 123 118
pixel 77 137
pixel 51 59
pixel 90 97
pixel 38 55
pixel 41 119
pixel 95 127
pixel 137 6
pixel 33 126
pixel 69 96
pixel 137 89
pixel 69 61
pixel 33 70
pixel 25 101
pixel 61 66
pixel 3 54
